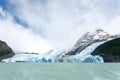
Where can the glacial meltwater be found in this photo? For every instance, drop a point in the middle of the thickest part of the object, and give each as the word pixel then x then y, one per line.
pixel 59 71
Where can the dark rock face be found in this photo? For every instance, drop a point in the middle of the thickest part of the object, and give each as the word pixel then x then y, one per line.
pixel 5 51
pixel 110 51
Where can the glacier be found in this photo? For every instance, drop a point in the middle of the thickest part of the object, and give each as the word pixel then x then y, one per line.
pixel 47 57
pixel 27 58
pixel 83 56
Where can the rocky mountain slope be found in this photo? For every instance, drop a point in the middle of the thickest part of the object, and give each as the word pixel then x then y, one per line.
pixel 5 51
pixel 110 51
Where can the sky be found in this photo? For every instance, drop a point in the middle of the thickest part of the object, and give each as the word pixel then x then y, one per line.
pixel 42 25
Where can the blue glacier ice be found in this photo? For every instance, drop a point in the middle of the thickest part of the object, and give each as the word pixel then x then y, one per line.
pixel 87 59
pixel 29 58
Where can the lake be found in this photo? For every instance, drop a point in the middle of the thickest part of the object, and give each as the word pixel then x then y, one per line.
pixel 59 71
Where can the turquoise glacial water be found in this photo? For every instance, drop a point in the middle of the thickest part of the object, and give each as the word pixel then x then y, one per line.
pixel 59 71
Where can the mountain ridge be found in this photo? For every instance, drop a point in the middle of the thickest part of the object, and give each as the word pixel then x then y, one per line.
pixel 90 38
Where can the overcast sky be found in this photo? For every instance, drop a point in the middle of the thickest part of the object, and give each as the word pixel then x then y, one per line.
pixel 42 25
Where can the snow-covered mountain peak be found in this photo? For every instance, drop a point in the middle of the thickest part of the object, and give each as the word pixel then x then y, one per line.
pixel 98 35
pixel 89 38
pixel 101 32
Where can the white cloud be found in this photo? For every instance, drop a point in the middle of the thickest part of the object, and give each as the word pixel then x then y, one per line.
pixel 2 13
pixel 62 22
pixel 21 39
